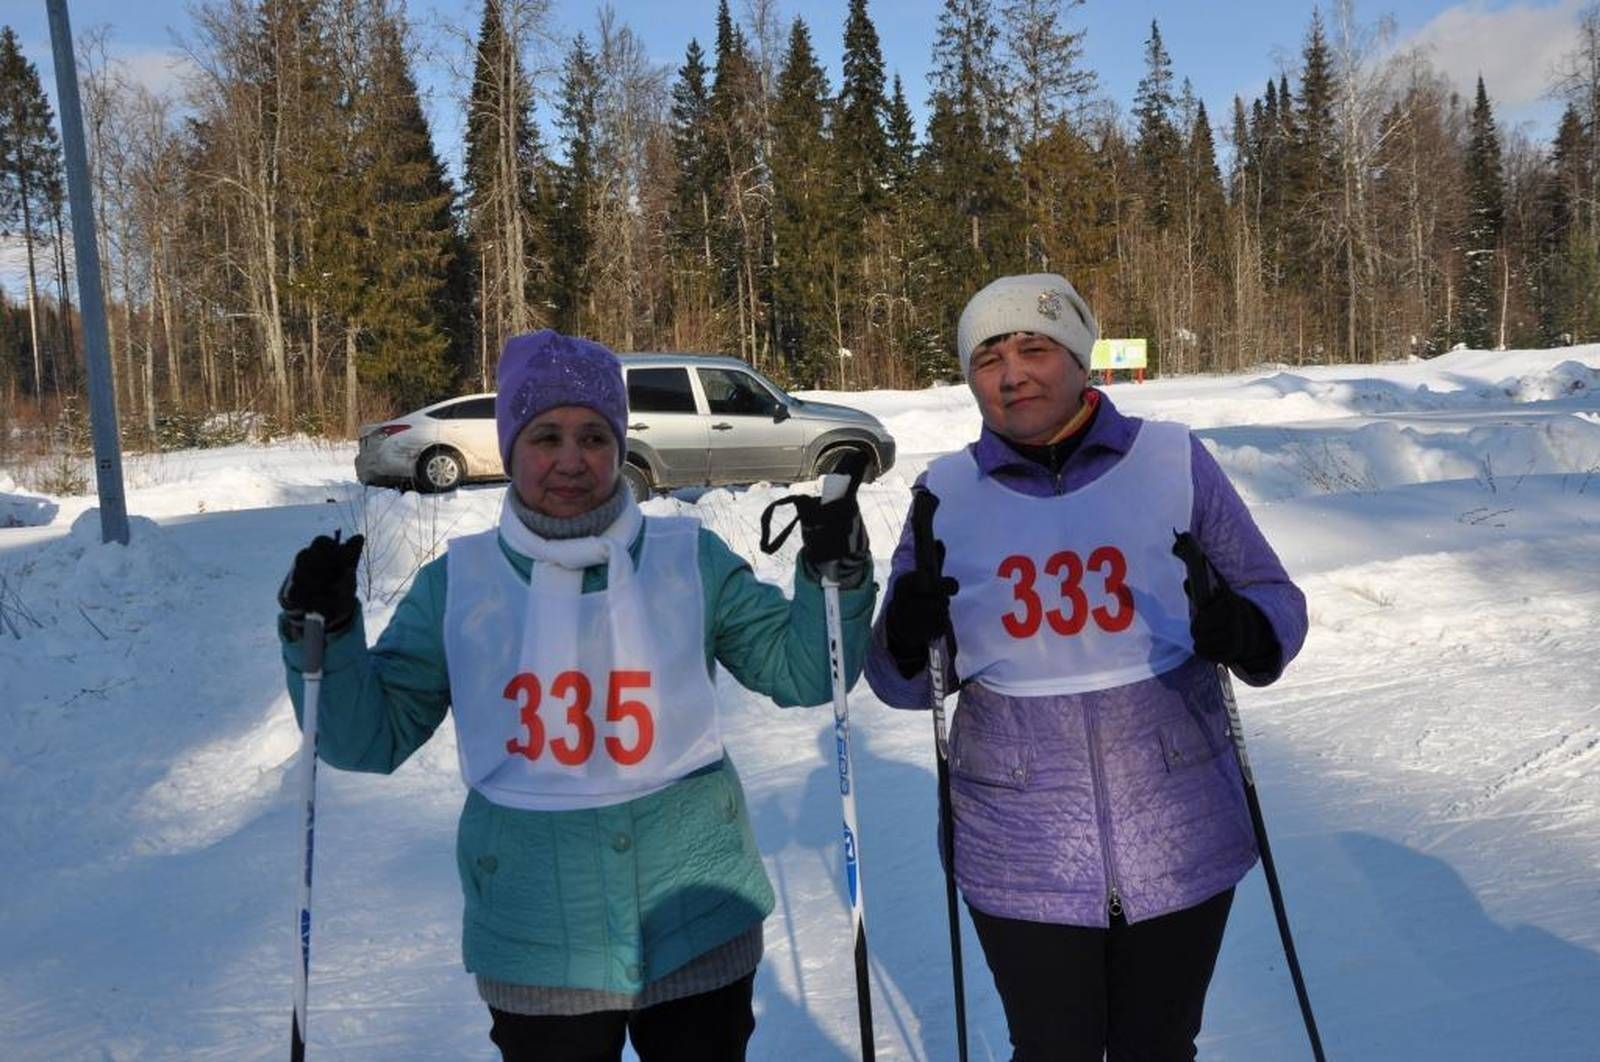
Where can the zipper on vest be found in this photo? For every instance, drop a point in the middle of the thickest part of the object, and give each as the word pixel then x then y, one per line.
pixel 1102 814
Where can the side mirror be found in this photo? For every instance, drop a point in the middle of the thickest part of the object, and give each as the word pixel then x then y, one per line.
pixel 780 414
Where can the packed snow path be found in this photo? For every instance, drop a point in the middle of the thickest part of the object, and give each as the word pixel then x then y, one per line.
pixel 1429 768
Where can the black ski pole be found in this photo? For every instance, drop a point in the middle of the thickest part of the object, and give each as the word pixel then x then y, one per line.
pixel 312 677
pixel 1202 584
pixel 923 504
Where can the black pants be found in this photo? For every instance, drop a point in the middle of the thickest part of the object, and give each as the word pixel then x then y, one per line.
pixel 1131 993
pixel 710 1027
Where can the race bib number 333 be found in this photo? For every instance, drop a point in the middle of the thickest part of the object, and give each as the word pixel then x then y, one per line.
pixel 576 744
pixel 1106 600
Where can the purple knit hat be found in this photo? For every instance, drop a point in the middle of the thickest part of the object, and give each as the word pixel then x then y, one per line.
pixel 543 370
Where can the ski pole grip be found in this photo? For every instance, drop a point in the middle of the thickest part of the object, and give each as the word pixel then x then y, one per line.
pixel 923 505
pixel 845 477
pixel 314 638
pixel 1201 583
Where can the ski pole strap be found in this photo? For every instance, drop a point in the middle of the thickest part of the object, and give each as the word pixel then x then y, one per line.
pixel 770 544
pixel 851 467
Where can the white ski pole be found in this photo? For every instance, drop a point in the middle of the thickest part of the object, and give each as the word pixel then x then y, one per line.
pixel 834 487
pixel 313 639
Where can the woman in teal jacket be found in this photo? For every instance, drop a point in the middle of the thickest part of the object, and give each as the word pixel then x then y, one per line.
pixel 612 882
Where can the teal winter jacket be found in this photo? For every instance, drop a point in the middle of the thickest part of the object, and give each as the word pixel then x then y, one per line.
pixel 606 898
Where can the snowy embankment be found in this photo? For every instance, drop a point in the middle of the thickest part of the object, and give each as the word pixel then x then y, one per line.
pixel 1429 767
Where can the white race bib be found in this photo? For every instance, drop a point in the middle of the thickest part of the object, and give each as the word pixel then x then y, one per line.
pixel 605 730
pixel 1072 592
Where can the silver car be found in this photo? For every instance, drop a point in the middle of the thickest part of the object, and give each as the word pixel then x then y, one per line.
pixel 694 420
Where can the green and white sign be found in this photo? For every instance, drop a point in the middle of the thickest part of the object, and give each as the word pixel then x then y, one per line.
pixel 1119 354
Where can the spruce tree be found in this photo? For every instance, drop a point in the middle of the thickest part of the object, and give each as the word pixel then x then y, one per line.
pixel 1480 236
pixel 1205 184
pixel 30 165
pixel 806 281
pixel 1311 166
pixel 1158 147
pixel 1569 261
pixel 741 185
pixel 505 166
pixel 900 133
pixel 385 233
pixel 858 132
pixel 971 198
pixel 692 150
pixel 1243 172
pixel 572 238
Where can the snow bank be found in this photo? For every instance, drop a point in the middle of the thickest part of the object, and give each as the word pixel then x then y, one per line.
pixel 1430 765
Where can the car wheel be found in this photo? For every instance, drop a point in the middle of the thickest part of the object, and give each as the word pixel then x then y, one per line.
pixel 638 480
pixel 439 470
pixel 829 461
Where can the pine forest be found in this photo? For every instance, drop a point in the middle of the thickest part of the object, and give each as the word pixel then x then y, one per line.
pixel 284 242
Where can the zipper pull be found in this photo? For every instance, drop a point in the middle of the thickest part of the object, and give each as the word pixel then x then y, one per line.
pixel 1115 905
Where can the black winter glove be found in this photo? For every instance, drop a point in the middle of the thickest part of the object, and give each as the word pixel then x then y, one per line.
pixel 1226 628
pixel 1231 630
pixel 831 532
pixel 917 613
pixel 832 536
pixel 323 579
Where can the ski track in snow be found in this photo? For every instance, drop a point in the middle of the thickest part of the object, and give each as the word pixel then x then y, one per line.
pixel 1429 768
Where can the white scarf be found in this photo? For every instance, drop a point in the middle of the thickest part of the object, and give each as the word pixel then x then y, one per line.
pixel 550 629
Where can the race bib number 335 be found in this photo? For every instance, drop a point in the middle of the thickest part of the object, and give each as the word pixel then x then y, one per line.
pixel 577 742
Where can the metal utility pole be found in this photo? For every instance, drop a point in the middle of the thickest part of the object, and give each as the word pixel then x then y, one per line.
pixel 91 306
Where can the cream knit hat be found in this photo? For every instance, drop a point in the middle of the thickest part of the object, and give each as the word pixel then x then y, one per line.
pixel 1038 302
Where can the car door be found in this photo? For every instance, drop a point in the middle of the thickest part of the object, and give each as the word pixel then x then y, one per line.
pixel 662 416
pixel 753 437
pixel 470 429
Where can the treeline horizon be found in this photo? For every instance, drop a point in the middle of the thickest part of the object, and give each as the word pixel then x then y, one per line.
pixel 285 238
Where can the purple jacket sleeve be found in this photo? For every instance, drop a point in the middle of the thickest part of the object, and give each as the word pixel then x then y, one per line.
pixel 1241 555
pixel 883 675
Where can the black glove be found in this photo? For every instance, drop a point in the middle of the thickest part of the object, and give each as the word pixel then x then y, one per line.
pixel 833 538
pixel 1231 630
pixel 323 579
pixel 1226 628
pixel 917 613
pixel 831 532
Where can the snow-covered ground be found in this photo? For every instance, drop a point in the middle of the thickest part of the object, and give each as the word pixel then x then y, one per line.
pixel 1429 767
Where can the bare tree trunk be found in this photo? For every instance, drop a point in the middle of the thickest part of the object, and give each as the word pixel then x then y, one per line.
pixel 129 371
pixel 150 363
pixel 1505 293
pixel 169 326
pixel 33 287
pixel 352 418
pixel 314 360
pixel 63 299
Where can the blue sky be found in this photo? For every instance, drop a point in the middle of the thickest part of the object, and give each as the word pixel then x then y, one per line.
pixel 1225 49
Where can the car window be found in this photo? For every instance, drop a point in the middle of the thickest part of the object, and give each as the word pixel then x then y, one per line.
pixel 735 393
pixel 660 391
pixel 469 409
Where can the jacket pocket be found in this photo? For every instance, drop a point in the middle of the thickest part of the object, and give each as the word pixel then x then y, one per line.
pixel 1005 762
pixel 1184 744
pixel 477 844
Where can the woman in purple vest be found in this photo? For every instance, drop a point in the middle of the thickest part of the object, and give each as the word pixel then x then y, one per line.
pixel 1100 820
